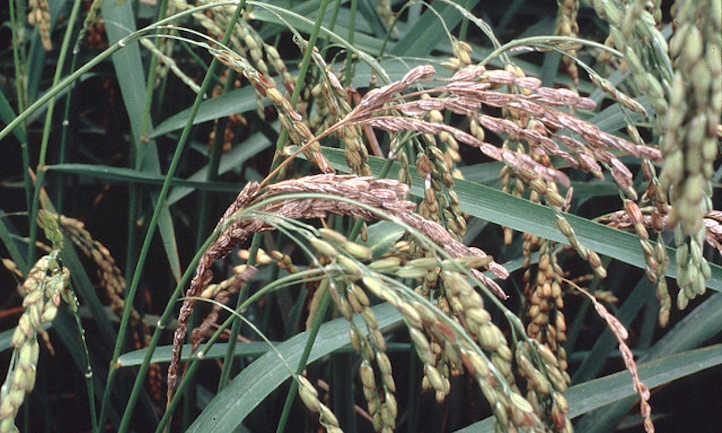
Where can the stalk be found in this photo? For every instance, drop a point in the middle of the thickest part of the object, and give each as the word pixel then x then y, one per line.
pixel 137 150
pixel 46 131
pixel 120 341
pixel 21 103
pixel 351 33
pixel 236 326
pixel 88 371
pixel 59 195
pixel 315 325
pixel 255 241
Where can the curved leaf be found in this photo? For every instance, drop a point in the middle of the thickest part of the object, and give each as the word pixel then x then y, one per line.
pixel 244 99
pixel 218 350
pixel 10 244
pixel 120 22
pixel 522 215
pixel 596 393
pixel 304 24
pixel 163 353
pixel 382 235
pixel 7 335
pixel 236 101
pixel 229 160
pixel 7 114
pixel 423 36
pixel 227 410
pixel 129 175
pixel 698 325
pixel 607 342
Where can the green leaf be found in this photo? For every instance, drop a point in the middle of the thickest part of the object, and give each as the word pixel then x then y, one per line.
pixel 163 353
pixel 425 34
pixel 6 336
pixel 227 411
pixel 166 227
pixel 367 9
pixel 304 24
pixel 300 21
pixel 607 342
pixel 236 101
pixel 700 324
pixel 10 244
pixel 65 327
pixel 485 172
pixel 550 68
pixel 7 114
pixel 122 174
pixel 522 215
pixel 244 100
pixel 86 292
pixel 120 22
pixel 596 393
pixel 584 191
pixel 615 117
pixel 382 235
pixel 252 349
pixel 309 9
pixel 229 160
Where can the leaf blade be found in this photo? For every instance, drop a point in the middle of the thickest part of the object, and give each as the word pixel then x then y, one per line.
pixel 522 215
pixel 226 411
pixel 596 393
